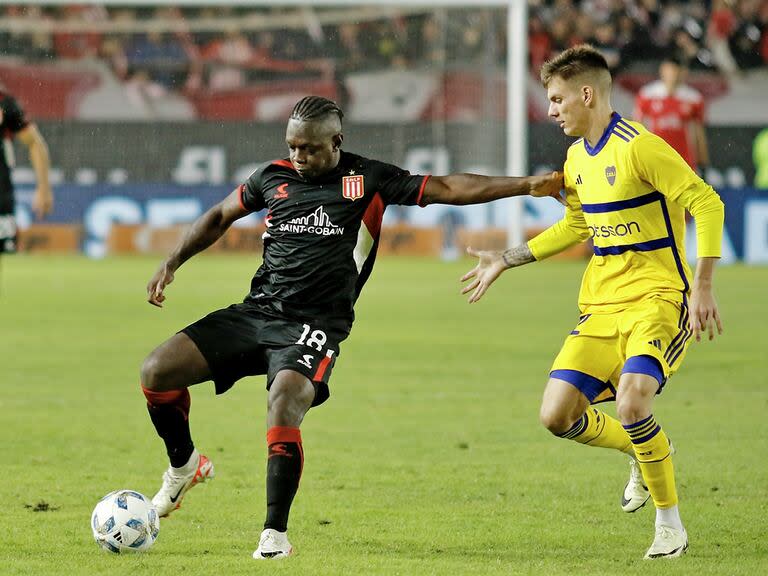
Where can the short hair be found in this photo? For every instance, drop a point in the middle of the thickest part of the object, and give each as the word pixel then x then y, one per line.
pixel 574 62
pixel 314 108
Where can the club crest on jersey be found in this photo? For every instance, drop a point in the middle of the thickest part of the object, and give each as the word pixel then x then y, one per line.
pixel 610 174
pixel 352 187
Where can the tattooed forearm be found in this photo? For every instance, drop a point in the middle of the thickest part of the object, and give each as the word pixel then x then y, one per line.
pixel 517 256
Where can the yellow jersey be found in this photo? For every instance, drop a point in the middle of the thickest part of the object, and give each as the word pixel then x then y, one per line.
pixel 628 195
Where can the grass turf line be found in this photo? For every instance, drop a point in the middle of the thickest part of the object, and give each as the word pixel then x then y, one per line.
pixel 428 459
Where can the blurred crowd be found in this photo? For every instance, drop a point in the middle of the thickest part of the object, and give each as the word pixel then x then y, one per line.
pixel 727 36
pixel 223 48
pixel 228 47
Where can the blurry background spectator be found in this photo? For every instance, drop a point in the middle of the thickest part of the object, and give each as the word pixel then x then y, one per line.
pixel 747 37
pixel 229 55
pixel 675 111
pixel 721 26
pixel 760 158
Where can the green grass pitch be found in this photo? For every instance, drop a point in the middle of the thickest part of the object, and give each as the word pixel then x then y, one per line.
pixel 428 459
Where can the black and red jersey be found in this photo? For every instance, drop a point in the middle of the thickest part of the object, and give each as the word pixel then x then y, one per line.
pixel 12 120
pixel 322 235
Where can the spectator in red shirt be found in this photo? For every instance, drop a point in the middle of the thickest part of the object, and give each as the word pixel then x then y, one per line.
pixel 675 111
pixel 722 23
pixel 539 42
pixel 74 45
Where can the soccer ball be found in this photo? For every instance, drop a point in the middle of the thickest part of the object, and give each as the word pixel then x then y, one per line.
pixel 125 521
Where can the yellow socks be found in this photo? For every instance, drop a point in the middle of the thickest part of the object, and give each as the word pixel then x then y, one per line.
pixel 596 428
pixel 652 453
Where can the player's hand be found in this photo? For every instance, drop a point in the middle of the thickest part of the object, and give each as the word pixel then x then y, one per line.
pixel 548 185
pixel 156 286
pixel 42 202
pixel 490 266
pixel 703 313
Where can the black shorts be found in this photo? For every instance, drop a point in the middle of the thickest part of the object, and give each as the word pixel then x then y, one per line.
pixel 243 340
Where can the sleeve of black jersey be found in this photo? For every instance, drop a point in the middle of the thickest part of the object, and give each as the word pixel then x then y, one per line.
pixel 13 114
pixel 251 197
pixel 398 186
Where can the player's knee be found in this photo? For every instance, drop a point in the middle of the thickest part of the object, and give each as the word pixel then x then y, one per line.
pixel 631 409
pixel 554 420
pixel 289 399
pixel 632 406
pixel 151 373
pixel 634 401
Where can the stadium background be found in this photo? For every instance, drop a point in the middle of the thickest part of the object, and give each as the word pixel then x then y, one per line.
pixel 205 90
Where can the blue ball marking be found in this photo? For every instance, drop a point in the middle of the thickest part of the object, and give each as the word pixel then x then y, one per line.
pixel 109 546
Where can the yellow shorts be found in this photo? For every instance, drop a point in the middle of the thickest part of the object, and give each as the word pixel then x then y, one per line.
pixel 593 355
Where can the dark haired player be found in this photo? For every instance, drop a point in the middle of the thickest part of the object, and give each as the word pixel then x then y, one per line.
pixel 14 124
pixel 324 211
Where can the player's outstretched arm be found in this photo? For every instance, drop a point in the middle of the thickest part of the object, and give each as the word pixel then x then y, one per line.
pixel 204 231
pixel 461 189
pixel 490 266
pixel 704 315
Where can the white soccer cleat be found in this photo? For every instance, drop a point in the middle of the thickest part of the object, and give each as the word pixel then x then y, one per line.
pixel 273 545
pixel 175 486
pixel 668 543
pixel 635 493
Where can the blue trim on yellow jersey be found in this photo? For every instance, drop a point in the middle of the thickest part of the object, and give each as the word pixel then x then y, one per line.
pixel 638 247
pixel 638 424
pixel 668 242
pixel 672 355
pixel 675 253
pixel 621 130
pixel 620 135
pixel 680 347
pixel 586 384
pixel 678 342
pixel 583 318
pixel 622 204
pixel 644 364
pixel 604 138
pixel 627 126
pixel 577 429
pixel 640 431
pixel 645 439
